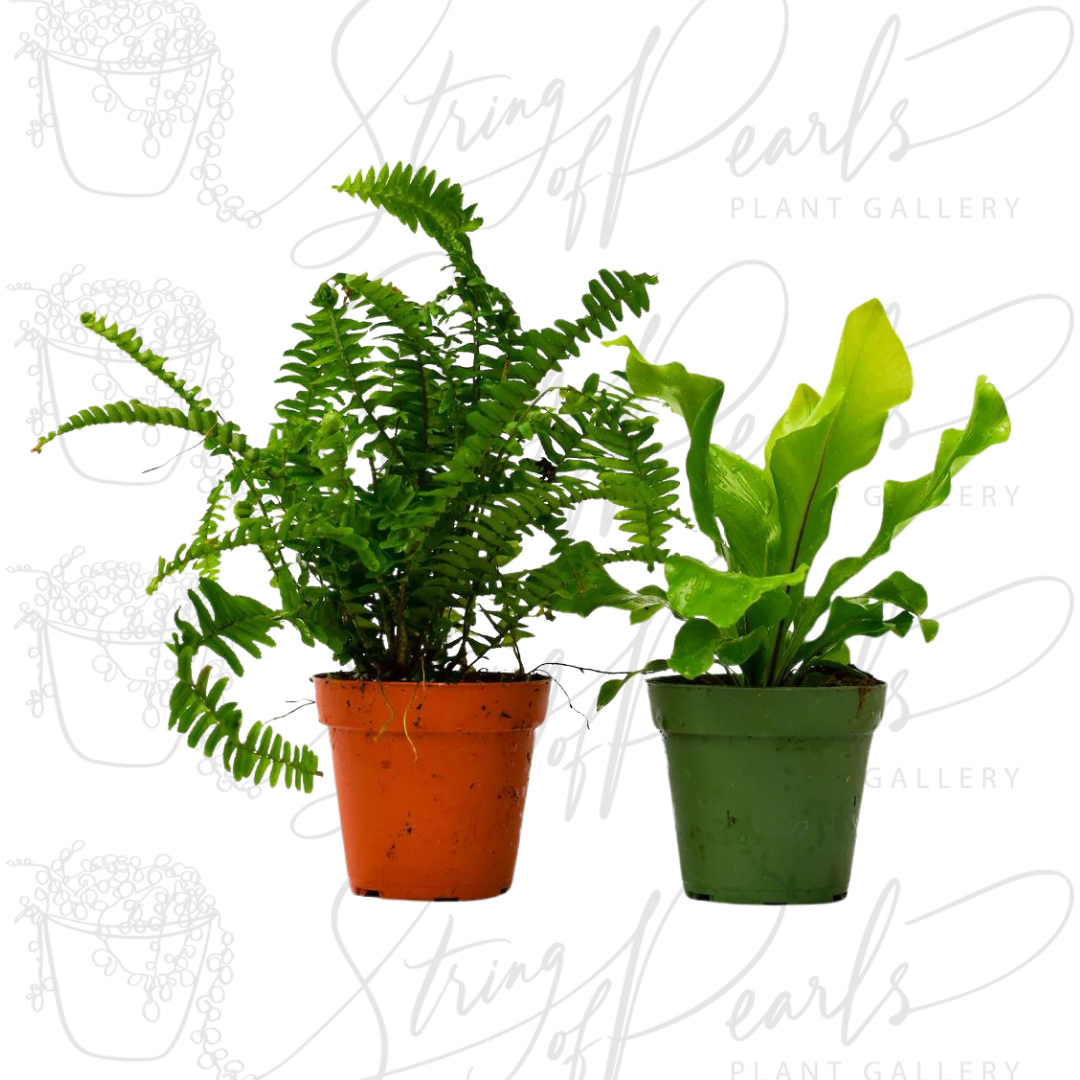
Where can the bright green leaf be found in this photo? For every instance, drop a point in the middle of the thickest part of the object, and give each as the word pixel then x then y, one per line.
pixel 735 651
pixel 694 648
pixel 610 688
pixel 722 597
pixel 588 586
pixel 870 377
pixel 803 403
pixel 672 384
pixel 903 501
pixel 742 499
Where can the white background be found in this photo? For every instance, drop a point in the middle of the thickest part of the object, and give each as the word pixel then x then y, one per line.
pixel 621 158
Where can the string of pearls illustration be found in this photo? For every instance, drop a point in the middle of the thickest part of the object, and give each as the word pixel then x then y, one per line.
pixel 162 905
pixel 104 604
pixel 156 64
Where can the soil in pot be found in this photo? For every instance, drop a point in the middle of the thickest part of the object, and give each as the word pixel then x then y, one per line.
pixel 431 781
pixel 766 785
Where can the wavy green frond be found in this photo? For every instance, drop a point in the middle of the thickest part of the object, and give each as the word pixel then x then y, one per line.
pixel 131 412
pixel 228 623
pixel 603 304
pixel 211 521
pixel 129 342
pixel 633 476
pixel 415 200
pixel 200 418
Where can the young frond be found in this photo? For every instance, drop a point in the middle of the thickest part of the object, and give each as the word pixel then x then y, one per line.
pixel 415 200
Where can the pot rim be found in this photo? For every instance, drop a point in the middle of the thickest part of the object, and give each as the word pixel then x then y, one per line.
pixel 416 708
pixel 678 680
pixel 680 707
pixel 334 678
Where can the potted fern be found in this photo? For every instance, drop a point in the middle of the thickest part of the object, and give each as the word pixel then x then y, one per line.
pixel 421 444
pixel 766 723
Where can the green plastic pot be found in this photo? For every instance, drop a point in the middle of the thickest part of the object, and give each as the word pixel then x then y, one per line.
pixel 766 785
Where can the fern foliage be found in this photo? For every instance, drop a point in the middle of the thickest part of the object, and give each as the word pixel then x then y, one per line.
pixel 228 623
pixel 417 446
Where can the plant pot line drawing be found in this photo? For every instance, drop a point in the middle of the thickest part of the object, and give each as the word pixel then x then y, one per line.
pixel 175 324
pixel 99 611
pixel 156 927
pixel 102 610
pixel 101 607
pixel 146 78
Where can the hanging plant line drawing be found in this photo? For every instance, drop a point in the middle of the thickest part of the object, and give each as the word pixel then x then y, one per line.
pixel 147 79
pixel 132 953
pixel 98 643
pixel 71 361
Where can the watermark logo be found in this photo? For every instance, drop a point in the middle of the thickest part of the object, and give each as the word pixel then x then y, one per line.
pixel 99 651
pixel 555 1006
pixel 146 80
pixel 130 954
pixel 987 496
pixel 876 208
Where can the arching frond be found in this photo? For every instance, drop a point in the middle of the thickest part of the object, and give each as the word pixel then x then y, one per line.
pixel 418 443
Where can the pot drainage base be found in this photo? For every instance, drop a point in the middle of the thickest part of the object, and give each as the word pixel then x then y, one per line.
pixel 438 899
pixel 763 903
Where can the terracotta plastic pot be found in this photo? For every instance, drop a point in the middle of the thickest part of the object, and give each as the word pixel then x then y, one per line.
pixel 431 781
pixel 766 785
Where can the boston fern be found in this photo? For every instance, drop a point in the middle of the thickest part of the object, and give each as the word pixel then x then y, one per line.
pixel 768 523
pixel 396 487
